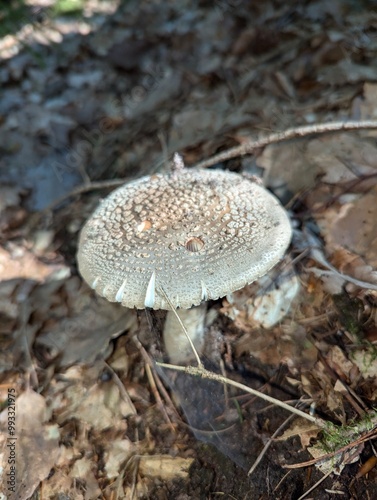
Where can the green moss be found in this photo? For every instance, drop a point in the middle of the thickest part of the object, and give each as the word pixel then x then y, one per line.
pixel 336 437
pixel 350 311
pixel 68 7
pixel 13 15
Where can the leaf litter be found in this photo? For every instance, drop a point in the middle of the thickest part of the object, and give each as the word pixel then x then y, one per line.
pixel 179 83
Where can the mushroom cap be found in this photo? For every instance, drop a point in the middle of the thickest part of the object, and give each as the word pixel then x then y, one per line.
pixel 192 234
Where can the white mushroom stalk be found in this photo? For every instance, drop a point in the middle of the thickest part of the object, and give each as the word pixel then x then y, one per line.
pixel 195 234
pixel 177 346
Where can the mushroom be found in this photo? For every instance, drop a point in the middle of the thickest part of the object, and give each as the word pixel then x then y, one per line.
pixel 180 238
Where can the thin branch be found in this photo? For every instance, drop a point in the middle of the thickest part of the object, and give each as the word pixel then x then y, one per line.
pixel 157 396
pixel 85 188
pixel 317 255
pixel 268 444
pixel 292 133
pixel 160 385
pixel 202 372
pixel 316 485
pixel 121 388
pixel 245 148
pixel 36 218
pixel 369 435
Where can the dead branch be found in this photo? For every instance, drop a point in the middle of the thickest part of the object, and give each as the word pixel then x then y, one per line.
pixel 250 146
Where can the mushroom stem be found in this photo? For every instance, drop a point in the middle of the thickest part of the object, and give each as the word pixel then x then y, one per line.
pixel 177 345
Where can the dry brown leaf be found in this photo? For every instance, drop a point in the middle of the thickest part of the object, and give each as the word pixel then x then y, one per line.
pixel 351 264
pixel 165 467
pixel 347 71
pixel 61 482
pixel 82 333
pixel 140 490
pixel 354 227
pixel 100 406
pixel 117 453
pixel 337 159
pixel 339 362
pixel 319 386
pixel 337 462
pixel 37 443
pixel 266 301
pixel 368 106
pixel 273 348
pixel 18 262
pixel 365 360
pixel 73 325
pixel 286 163
pixel 82 469
pixel 302 428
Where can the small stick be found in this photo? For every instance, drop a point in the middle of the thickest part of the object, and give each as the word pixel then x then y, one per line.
pixel 362 439
pixel 85 188
pixel 202 372
pixel 245 148
pixel 157 396
pixel 316 485
pixel 159 384
pixel 268 444
pixel 121 388
pixel 250 146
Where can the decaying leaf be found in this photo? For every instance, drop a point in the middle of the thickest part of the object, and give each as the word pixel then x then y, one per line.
pixel 269 300
pixel 98 405
pixel 84 334
pixel 339 362
pixel 37 443
pixel 18 262
pixel 302 428
pixel 366 361
pixel 347 439
pixel 353 226
pixel 117 453
pixel 165 467
pixel 82 469
pixel 368 106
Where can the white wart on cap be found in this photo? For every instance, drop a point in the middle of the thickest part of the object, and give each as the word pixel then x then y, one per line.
pixel 196 234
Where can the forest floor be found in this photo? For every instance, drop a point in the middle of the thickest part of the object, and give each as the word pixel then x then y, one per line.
pixel 96 91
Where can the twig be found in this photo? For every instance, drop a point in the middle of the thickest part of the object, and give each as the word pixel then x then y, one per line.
pixel 157 396
pixel 332 271
pixel 202 372
pixel 361 440
pixel 282 480
pixel 289 134
pixel 316 485
pixel 159 384
pixel 22 295
pixel 268 444
pixel 226 392
pixel 121 388
pixel 245 148
pixel 85 188
pixel 317 255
